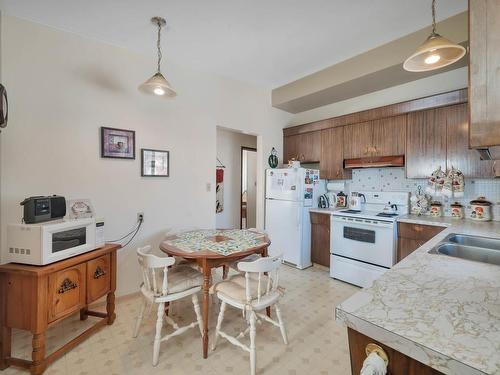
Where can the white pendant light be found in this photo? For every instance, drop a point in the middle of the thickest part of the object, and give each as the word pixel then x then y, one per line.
pixel 157 84
pixel 436 52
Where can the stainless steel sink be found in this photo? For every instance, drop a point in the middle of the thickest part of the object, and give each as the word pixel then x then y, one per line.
pixel 476 241
pixel 475 248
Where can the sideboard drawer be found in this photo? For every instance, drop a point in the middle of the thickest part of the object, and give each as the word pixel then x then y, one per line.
pixel 66 292
pixel 98 278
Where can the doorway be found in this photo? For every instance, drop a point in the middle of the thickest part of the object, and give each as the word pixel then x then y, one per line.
pixel 248 193
pixel 231 185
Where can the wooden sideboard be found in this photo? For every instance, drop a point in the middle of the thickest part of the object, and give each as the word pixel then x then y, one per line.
pixel 33 298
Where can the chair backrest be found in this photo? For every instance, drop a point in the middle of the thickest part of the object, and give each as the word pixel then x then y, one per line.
pixel 260 266
pixel 152 269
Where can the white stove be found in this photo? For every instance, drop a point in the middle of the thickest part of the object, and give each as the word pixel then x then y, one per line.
pixel 363 242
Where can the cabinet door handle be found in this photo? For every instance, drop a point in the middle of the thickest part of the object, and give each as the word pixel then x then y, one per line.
pixel 99 272
pixel 66 286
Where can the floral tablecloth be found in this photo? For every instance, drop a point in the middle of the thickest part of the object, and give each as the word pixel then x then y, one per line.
pixel 224 242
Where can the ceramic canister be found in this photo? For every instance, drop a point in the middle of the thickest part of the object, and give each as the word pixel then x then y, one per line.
pixel 481 209
pixel 341 200
pixel 457 210
pixel 436 209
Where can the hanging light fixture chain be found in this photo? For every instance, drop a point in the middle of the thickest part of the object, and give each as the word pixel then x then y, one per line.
pixel 433 17
pixel 158 46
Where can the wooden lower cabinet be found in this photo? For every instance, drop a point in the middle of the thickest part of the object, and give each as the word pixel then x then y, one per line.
pixel 66 292
pixel 320 238
pixel 399 364
pixel 33 298
pixel 98 278
pixel 412 236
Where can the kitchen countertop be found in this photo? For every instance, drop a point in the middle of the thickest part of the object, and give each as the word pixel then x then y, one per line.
pixel 441 311
pixel 327 211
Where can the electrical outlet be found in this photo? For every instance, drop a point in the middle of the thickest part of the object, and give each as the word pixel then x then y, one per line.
pixel 140 216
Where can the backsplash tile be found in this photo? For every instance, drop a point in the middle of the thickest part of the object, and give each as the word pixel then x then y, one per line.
pixel 393 179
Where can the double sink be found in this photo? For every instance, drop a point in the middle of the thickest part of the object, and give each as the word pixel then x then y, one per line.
pixel 479 249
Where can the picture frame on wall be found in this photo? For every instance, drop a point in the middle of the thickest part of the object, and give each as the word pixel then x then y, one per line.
pixel 117 143
pixel 155 163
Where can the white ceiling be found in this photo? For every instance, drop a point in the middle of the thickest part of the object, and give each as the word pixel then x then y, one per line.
pixel 266 42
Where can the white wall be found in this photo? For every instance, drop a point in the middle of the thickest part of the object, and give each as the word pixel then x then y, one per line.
pixel 229 145
pixel 64 87
pixel 439 83
pixel 251 189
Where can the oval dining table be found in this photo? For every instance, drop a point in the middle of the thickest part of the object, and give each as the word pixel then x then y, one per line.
pixel 212 249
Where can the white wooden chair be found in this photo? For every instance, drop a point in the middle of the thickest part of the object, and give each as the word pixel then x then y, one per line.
pixel 163 283
pixel 251 293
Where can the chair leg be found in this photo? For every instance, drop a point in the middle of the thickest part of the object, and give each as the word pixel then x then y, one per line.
pixel 225 271
pixel 159 325
pixel 140 317
pixel 219 324
pixel 282 324
pixel 196 305
pixel 252 342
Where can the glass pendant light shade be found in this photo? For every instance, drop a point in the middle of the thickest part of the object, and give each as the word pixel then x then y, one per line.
pixel 436 52
pixel 157 85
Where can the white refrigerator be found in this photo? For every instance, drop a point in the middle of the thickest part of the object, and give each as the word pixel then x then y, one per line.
pixel 290 194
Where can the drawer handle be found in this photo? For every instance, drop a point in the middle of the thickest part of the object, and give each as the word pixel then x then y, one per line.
pixel 66 286
pixel 418 229
pixel 99 272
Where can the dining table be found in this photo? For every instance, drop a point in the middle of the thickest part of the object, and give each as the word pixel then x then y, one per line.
pixel 212 248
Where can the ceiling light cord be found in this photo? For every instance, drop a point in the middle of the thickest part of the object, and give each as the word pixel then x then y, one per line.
pixel 434 17
pixel 158 46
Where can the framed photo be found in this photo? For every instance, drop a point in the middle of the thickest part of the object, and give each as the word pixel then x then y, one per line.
pixel 80 208
pixel 154 163
pixel 117 143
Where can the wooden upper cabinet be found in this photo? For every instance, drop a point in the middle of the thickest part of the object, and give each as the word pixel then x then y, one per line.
pixel 458 154
pixel 332 156
pixel 426 142
pixel 303 147
pixel 389 136
pixel 290 148
pixel 484 72
pixel 357 140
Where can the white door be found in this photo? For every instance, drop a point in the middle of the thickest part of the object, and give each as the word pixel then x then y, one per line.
pixel 284 184
pixel 284 227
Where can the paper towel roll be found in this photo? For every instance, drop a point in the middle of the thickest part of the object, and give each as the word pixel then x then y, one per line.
pixel 336 186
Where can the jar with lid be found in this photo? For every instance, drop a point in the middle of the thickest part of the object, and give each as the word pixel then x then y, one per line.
pixel 436 209
pixel 457 210
pixel 480 209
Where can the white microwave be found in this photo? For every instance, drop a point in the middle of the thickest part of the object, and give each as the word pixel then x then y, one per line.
pixel 49 242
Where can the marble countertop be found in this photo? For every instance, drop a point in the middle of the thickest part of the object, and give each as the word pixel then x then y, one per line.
pixel 441 311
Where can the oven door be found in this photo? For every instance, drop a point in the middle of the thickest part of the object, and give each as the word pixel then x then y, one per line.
pixel 67 239
pixel 366 240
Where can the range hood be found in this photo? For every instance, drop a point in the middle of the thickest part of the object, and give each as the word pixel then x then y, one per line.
pixel 491 153
pixel 375 162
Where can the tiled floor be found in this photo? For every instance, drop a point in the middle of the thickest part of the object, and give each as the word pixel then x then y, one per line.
pixel 318 344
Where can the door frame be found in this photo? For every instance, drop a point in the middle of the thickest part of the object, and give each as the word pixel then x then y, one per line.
pixel 243 148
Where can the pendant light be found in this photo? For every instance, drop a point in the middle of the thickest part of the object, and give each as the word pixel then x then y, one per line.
pixel 436 52
pixel 157 84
